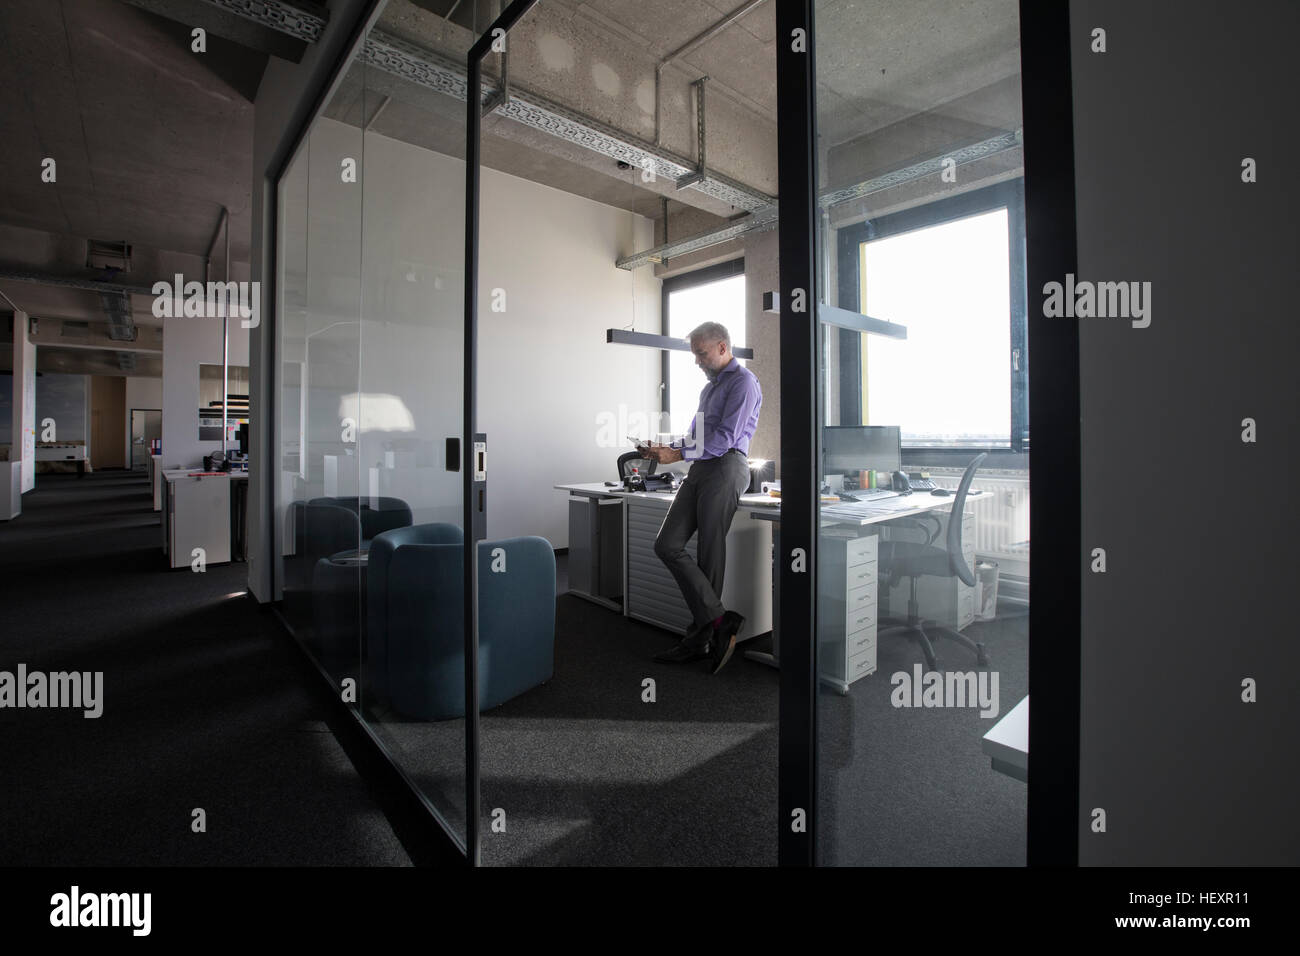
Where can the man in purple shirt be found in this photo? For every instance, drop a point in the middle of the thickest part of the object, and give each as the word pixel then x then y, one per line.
pixel 717 446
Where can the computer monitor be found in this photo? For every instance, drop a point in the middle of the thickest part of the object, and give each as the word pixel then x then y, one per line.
pixel 243 438
pixel 849 449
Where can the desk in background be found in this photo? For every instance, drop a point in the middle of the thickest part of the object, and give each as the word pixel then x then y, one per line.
pixel 848 605
pixel 1007 743
pixel 650 593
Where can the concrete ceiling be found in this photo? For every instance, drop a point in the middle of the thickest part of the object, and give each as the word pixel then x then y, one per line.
pixel 151 140
pixel 885 67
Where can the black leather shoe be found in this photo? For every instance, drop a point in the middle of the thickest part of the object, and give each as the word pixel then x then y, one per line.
pixel 683 653
pixel 694 646
pixel 724 639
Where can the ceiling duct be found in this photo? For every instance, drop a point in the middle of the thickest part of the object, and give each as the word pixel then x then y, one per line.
pixel 108 254
pixel 69 282
pixel 761 221
pixel 766 219
pixel 443 75
pixel 436 72
pixel 121 322
pixel 959 157
pixel 303 20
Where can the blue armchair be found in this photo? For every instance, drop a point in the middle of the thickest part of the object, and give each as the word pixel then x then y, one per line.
pixel 416 639
pixel 375 515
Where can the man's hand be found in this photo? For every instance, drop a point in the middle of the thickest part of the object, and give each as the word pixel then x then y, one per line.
pixel 663 454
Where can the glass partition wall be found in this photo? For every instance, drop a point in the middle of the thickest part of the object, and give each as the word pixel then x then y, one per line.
pixel 923 541
pixel 370 384
pixel 393 576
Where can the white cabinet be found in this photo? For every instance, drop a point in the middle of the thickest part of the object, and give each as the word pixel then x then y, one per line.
pixel 11 489
pixel 847 608
pixel 196 514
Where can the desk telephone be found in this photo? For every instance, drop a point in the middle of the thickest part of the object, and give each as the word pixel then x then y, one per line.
pixel 915 480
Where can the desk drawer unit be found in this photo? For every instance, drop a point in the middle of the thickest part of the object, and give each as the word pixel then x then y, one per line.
pixel 847 608
pixel 651 593
pixel 944 600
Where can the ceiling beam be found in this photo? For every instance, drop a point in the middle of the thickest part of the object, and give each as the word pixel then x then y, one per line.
pixel 250 34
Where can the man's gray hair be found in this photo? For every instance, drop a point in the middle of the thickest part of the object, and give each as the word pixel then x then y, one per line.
pixel 711 332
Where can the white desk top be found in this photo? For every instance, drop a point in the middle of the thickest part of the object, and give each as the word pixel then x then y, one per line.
pixel 1008 740
pixel 592 489
pixel 764 506
pixel 175 474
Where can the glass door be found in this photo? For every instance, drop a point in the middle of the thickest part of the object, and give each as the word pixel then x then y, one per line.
pixel 910 505
pixel 370 420
pixel 922 642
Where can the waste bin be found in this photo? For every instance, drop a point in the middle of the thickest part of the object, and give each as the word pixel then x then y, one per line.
pixel 986 595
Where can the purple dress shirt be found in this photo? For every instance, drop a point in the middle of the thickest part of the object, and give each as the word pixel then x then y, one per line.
pixel 727 417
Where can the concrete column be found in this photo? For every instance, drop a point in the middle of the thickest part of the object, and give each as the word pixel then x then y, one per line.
pixel 23 447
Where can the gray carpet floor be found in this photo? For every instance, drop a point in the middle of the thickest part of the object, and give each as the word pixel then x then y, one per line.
pixel 205 705
pixel 582 771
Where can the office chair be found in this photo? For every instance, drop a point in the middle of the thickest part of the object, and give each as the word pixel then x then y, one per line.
pixel 628 460
pixel 909 559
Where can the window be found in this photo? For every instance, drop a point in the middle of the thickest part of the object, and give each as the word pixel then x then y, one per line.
pixel 716 294
pixel 953 273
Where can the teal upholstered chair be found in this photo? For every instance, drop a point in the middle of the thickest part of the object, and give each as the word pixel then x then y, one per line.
pixel 416 639
pixel 374 515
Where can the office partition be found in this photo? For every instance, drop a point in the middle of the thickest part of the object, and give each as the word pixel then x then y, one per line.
pixel 904 193
pixel 904 197
pixel 369 385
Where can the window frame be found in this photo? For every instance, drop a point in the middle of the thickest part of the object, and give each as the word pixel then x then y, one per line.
pixel 1009 195
pixel 687 280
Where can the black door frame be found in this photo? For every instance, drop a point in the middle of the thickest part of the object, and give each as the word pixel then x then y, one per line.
pixel 474 492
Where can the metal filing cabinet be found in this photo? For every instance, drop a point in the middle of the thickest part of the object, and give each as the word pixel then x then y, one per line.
pixel 652 593
pixel 846 608
pixel 596 547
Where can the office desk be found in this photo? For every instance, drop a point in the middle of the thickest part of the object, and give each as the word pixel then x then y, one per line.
pixel 1007 744
pixel 650 593
pixel 847 599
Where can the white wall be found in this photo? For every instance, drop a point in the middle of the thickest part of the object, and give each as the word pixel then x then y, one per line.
pixel 546 374
pixel 144 392
pixel 188 343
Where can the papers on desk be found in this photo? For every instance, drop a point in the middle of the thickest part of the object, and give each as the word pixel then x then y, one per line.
pixel 867 509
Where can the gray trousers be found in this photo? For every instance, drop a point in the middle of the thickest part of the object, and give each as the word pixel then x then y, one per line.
pixel 705 503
